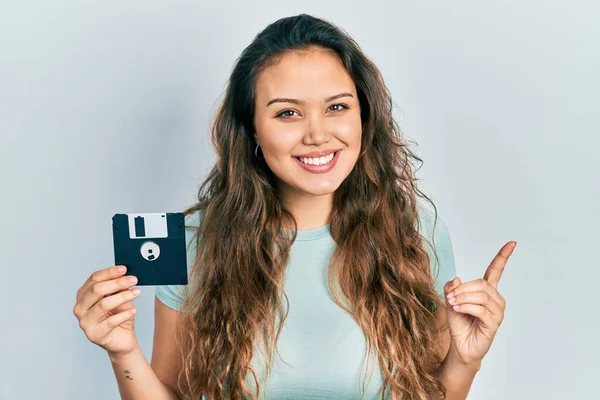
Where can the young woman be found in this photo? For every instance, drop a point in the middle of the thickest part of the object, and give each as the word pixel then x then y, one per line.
pixel 313 199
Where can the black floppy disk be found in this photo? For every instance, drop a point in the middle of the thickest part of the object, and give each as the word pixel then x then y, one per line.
pixel 152 247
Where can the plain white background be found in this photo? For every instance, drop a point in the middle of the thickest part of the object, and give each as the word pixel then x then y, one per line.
pixel 105 107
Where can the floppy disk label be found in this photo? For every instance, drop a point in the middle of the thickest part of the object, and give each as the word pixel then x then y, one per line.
pixel 149 225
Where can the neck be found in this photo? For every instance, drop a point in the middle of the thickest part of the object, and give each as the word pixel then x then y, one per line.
pixel 310 211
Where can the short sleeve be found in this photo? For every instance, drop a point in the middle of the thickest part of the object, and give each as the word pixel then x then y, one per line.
pixel 172 295
pixel 443 269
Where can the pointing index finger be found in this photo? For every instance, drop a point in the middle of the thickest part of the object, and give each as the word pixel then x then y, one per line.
pixel 496 267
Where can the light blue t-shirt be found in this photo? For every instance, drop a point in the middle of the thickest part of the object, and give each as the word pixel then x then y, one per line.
pixel 324 347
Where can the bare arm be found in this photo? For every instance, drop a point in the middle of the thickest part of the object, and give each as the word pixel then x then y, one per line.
pixel 158 380
pixel 105 311
pixel 137 380
pixel 456 377
pixel 166 361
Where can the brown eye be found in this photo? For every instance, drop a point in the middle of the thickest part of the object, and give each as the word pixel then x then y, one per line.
pixel 281 114
pixel 343 107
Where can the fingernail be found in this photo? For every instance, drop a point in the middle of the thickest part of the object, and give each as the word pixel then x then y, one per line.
pixel 452 300
pixel 132 279
pixel 121 269
pixel 456 307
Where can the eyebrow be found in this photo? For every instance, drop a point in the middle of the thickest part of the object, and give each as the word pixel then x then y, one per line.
pixel 296 101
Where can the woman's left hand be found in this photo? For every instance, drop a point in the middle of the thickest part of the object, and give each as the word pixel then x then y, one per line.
pixel 475 310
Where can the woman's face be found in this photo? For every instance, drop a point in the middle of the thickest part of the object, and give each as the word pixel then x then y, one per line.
pixel 296 114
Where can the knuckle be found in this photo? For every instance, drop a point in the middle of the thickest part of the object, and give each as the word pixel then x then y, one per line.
pixel 93 277
pixel 95 289
pixel 103 305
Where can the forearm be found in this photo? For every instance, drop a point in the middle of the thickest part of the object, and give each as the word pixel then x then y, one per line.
pixel 456 377
pixel 137 380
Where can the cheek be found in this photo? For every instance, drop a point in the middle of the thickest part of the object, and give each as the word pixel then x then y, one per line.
pixel 348 130
pixel 282 146
pixel 278 139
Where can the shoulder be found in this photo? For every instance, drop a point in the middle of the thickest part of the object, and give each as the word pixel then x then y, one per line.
pixel 438 244
pixel 192 218
pixel 430 223
pixel 192 221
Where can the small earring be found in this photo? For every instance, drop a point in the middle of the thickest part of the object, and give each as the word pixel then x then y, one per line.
pixel 256 153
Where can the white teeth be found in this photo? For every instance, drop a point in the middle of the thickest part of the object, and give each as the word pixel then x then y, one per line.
pixel 317 161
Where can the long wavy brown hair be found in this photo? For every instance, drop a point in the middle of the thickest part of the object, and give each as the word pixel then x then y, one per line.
pixel 379 272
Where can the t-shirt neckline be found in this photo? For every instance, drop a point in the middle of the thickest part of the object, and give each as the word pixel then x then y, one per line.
pixel 311 234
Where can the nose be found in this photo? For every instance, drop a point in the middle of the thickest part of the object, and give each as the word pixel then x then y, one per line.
pixel 317 132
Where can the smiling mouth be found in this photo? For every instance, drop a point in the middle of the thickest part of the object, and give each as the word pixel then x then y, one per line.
pixel 332 155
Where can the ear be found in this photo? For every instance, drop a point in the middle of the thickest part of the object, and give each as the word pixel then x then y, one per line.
pixel 256 139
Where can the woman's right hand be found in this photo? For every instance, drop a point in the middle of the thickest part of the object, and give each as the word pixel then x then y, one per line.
pixel 105 310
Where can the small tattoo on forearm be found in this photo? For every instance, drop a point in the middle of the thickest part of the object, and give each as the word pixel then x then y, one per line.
pixel 127 376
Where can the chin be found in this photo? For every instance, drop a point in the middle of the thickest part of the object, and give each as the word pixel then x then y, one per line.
pixel 318 191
